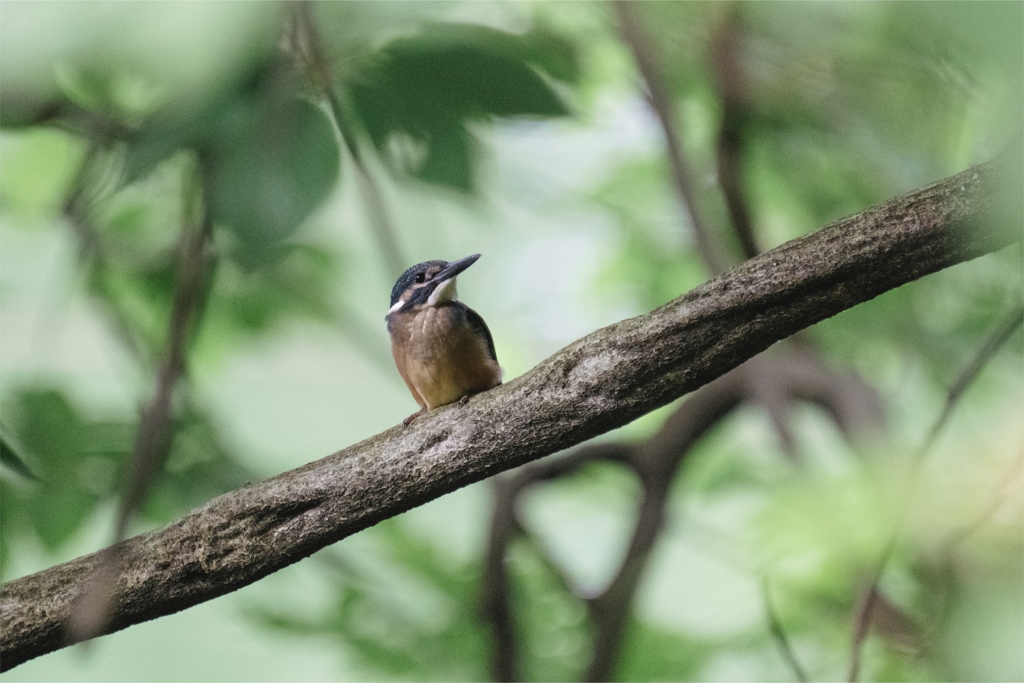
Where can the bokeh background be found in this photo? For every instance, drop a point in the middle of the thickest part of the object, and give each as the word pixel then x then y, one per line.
pixel 327 146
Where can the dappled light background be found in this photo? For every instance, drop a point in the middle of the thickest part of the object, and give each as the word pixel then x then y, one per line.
pixel 210 202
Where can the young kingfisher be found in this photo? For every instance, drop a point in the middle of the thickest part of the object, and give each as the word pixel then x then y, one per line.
pixel 442 347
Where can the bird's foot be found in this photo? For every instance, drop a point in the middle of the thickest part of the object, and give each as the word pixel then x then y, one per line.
pixel 464 400
pixel 406 421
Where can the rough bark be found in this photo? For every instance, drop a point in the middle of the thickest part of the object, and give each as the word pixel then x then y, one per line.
pixel 595 384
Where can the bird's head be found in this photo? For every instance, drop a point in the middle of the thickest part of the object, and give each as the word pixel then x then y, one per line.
pixel 430 283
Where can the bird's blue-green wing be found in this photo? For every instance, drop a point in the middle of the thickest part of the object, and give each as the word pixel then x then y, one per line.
pixel 480 328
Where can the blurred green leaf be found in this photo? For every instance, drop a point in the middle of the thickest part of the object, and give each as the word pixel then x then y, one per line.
pixel 176 127
pixel 201 465
pixel 651 653
pixel 140 295
pixel 651 264
pixel 450 160
pixel 121 59
pixel 296 280
pixel 429 86
pixel 108 92
pixel 418 618
pixel 272 156
pixel 12 458
pixel 78 459
pixel 74 459
pixel 270 176
pixel 39 166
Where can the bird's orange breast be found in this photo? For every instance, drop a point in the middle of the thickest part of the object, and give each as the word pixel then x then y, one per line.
pixel 439 356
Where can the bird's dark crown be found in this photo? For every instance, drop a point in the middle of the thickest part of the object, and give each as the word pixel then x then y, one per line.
pixel 423 279
pixel 421 272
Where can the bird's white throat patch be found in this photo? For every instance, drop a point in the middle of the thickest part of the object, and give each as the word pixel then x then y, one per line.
pixel 444 292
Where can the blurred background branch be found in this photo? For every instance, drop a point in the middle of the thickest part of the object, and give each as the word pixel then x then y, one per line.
pixel 156 428
pixel 661 104
pixel 779 633
pixel 304 42
pixel 654 464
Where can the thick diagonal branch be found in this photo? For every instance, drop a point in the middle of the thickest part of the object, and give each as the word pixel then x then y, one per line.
pixel 598 383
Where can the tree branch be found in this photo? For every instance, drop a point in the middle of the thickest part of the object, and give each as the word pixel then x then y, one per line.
pixel 661 103
pixel 595 384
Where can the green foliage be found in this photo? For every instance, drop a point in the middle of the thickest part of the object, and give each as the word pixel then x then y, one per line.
pixel 415 617
pixel 148 114
pixel 122 60
pixel 268 180
pixel 38 171
pixel 202 464
pixel 77 459
pixel 552 624
pixel 653 260
pixel 271 157
pixel 653 653
pixel 12 459
pixel 295 280
pixel 418 101
pixel 939 322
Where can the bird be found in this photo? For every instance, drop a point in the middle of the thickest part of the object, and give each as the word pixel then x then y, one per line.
pixel 442 347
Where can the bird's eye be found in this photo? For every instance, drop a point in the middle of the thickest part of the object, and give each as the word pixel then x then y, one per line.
pixel 420 277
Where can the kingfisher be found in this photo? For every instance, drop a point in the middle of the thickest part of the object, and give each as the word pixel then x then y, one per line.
pixel 442 347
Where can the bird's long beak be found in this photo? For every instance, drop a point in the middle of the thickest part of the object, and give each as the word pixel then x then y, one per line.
pixel 456 267
pixel 444 282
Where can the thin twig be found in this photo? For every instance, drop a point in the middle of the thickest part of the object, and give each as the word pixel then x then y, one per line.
pixel 958 536
pixel 496 604
pixel 779 634
pixel 75 210
pixel 970 372
pixel 862 618
pixel 153 437
pixel 661 103
pixel 728 71
pixel 307 46
pixel 966 376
